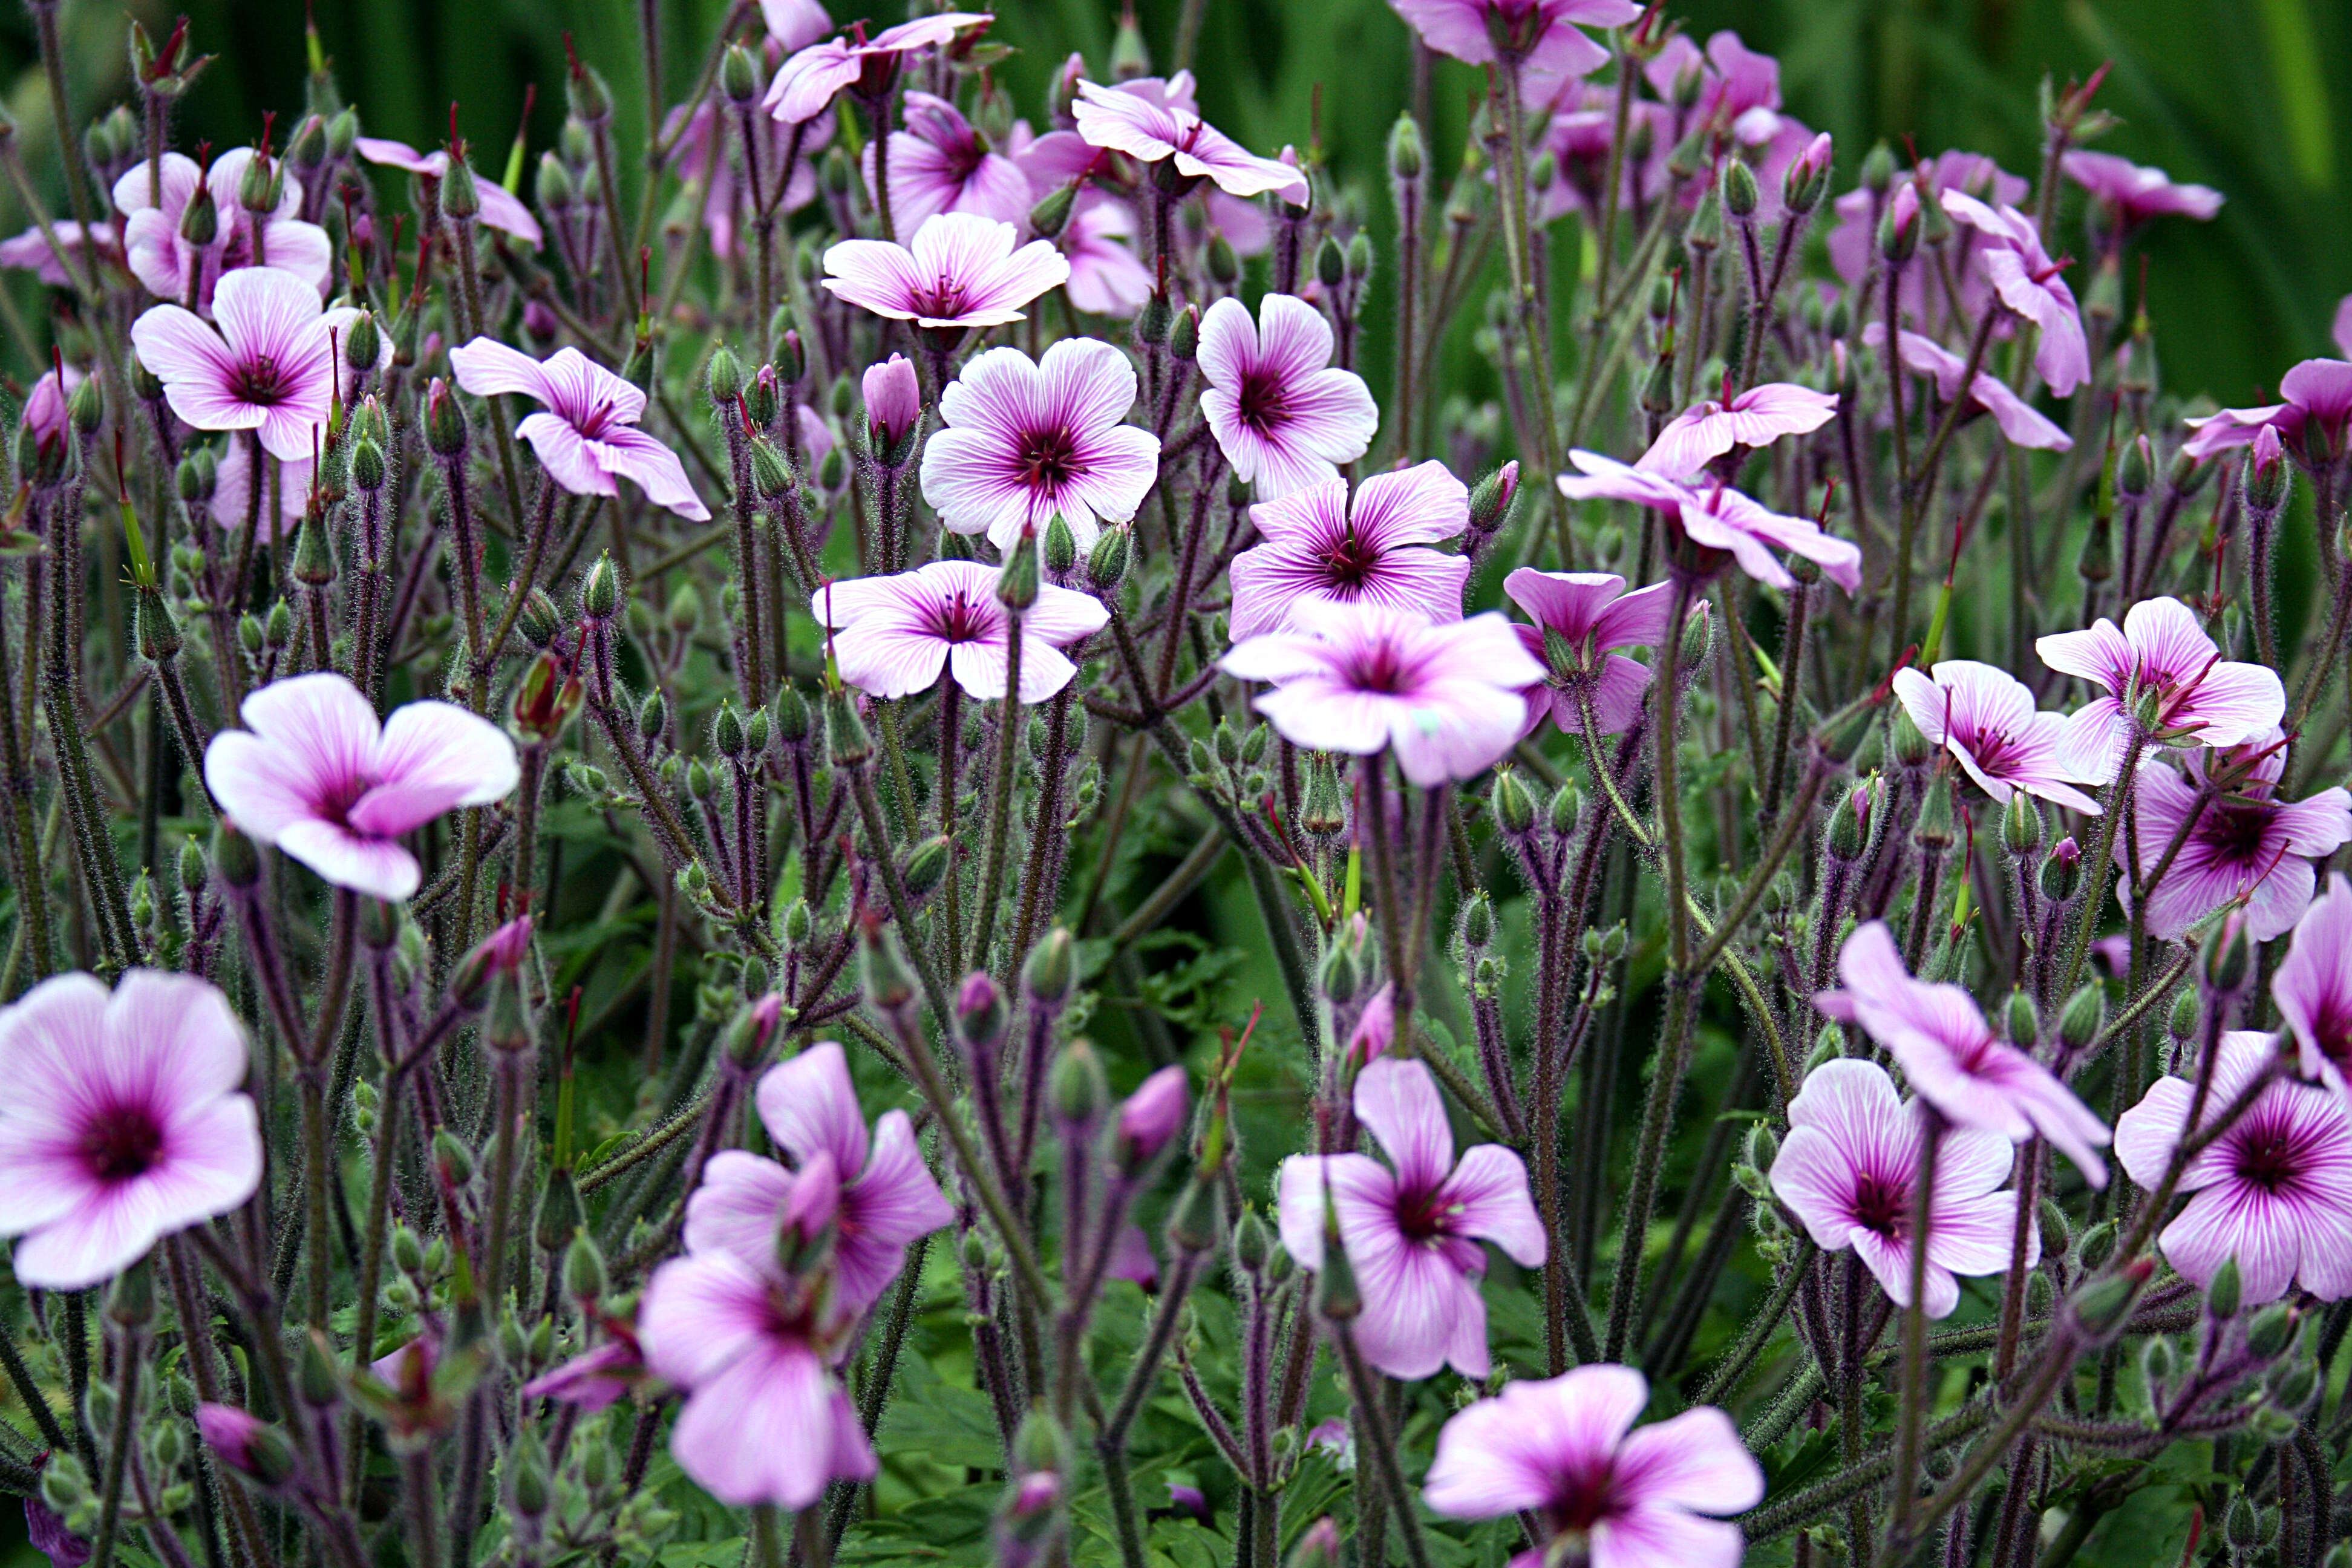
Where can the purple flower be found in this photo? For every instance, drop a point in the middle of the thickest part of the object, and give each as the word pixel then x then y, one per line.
pixel 1322 547
pixel 46 1534
pixel 269 369
pixel 2164 670
pixel 1581 136
pixel 1849 1170
pixel 45 405
pixel 587 437
pixel 1732 80
pixel 940 165
pixel 1949 1057
pixel 1714 525
pixel 1189 1502
pixel 124 1121
pixel 894 399
pixel 1363 679
pixel 2246 842
pixel 2032 285
pixel 1106 280
pixel 1152 131
pixel 2025 425
pixel 313 773
pixel 1539 38
pixel 1282 417
pixel 31 251
pixel 807 83
pixel 1579 618
pixel 1131 1260
pixel 1756 417
pixel 1985 716
pixel 1375 1029
pixel 594 1380
pixel 2316 392
pixel 1411 1227
pixel 2274 1192
pixel 892 636
pixel 502 209
pixel 1853 243
pixel 960 271
pixel 1061 157
pixel 245 1443
pixel 1566 1451
pixel 2135 193
pixel 1152 1115
pixel 172 268
pixel 2313 987
pixel 1024 439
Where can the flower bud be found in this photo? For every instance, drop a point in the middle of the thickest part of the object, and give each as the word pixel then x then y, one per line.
pixel 2223 1296
pixel 847 737
pixel 584 1269
pixel 738 75
pixel 1051 970
pixel 459 198
pixel 1740 196
pixel 1150 1119
pixel 926 867
pixel 1490 502
pixel 1061 549
pixel 2021 825
pixel 980 1010
pixel 1016 584
pixel 2228 958
pixel 2024 1023
pixel 894 403
pixel 2084 1015
pixel 600 590
pixel 200 219
pixel 2061 871
pixel 1330 263
pixel 252 1447
pixel 1515 805
pixel 234 859
pixel 590 99
pixel 445 421
pixel 1079 1092
pixel 2268 1334
pixel 1107 563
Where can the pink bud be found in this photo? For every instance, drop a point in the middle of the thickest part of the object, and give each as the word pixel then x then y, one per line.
pixel 894 399
pixel 1375 1029
pixel 1152 1115
pixel 245 1443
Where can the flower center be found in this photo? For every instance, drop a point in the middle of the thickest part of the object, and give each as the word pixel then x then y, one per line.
pixel 261 381
pixel 1423 1216
pixel 1047 459
pixel 2269 1155
pixel 121 1143
pixel 2238 831
pixel 1380 669
pixel 961 619
pixel 1264 402
pixel 1882 1207
pixel 594 426
pixel 943 302
pixel 1349 562
pixel 1583 1498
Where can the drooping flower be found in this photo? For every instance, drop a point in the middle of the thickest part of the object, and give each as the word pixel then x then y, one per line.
pixel 1026 438
pixel 2162 667
pixel 1985 718
pixel 2316 397
pixel 1411 1227
pixel 1849 1170
pixel 2245 843
pixel 1152 1115
pixel 2274 1190
pixel 1282 416
pixel 502 209
pixel 1579 618
pixel 2025 425
pixel 2032 285
pixel 961 270
pixel 1151 132
pixel 1566 1451
pixel 1582 138
pixel 1714 524
pixel 1541 38
pixel 893 636
pixel 1755 417
pixel 1364 679
pixel 586 437
pixel 2313 987
pixel 2134 193
pixel 313 773
pixel 124 1122
pixel 1951 1058
pixel 1063 157
pixel 269 369
pixel 938 164
pixel 1322 546
pixel 807 83
pixel 594 1380
pixel 172 268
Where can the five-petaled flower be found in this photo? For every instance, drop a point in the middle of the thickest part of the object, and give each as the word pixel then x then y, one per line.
pixel 1580 617
pixel 1155 131
pixel 2312 415
pixel 1714 524
pixel 1282 416
pixel 938 164
pixel 587 436
pixel 893 636
pixel 2134 193
pixel 1756 417
pixel 271 368
pixel 502 209
pixel 1985 718
pixel 961 271
pixel 2165 681
pixel 1322 546
pixel 807 84
pixel 174 267
pixel 2019 421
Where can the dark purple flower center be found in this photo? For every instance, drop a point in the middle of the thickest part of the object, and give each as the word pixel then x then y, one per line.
pixel 121 1143
pixel 1582 1497
pixel 2270 1153
pixel 1349 562
pixel 962 618
pixel 1264 402
pixel 261 381
pixel 1047 459
pixel 2331 1030
pixel 1382 669
pixel 943 301
pixel 1424 1216
pixel 596 421
pixel 1881 1206
pixel 2238 831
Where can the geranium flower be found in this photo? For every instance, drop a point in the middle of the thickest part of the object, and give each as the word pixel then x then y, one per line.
pixel 587 437
pixel 500 209
pixel 1756 417
pixel 2019 420
pixel 1731 80
pixel 1106 280
pixel 596 1379
pixel 808 82
pixel 1321 545
pixel 2316 392
pixel 962 272
pixel 893 636
pixel 1539 37
pixel 2162 662
pixel 893 397
pixel 1566 1451
pixel 1854 242
pixel 2274 1192
pixel 2246 844
pixel 172 268
pixel 1951 1058
pixel 1364 679
pixel 1985 718
pixel 1152 131
pixel 44 413
pixel 31 251
pixel 1061 157
pixel 1411 1227
pixel 1281 414
pixel 1024 439
pixel 1580 617
pixel 2313 987
pixel 2030 284
pixel 1581 137
pixel 1716 524
pixel 269 369
pixel 1849 1171
pixel 2134 193
pixel 124 1121
pixel 313 773
pixel 938 164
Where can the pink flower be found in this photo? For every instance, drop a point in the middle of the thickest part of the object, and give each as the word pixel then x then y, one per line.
pixel 2316 392
pixel 1411 1227
pixel 1320 546
pixel 1024 439
pixel 1716 522
pixel 2137 194
pixel 940 165
pixel 594 1380
pixel 1131 1260
pixel 2032 285
pixel 1106 280
pixel 124 1121
pixel 1152 1115
pixel 1733 80
pixel 313 773
pixel 1363 679
pixel 962 272
pixel 887 1199
pixel 232 494
pixel 245 1443
pixel 1375 1029
pixel 45 405
pixel 1566 1451
pixel 894 399
pixel 1581 617
pixel 1849 1170
pixel 1539 37
pixel 2274 1192
pixel 2163 668
pixel 1756 417
pixel 1580 136
pixel 1949 1057
pixel 172 268
pixel 892 636
pixel 1060 157
pixel 271 368
pixel 30 250
pixel 1151 132
pixel 587 437
pixel 807 83
pixel 2019 420
pixel 705 138
pixel 502 209
pixel 2246 842
pixel 1985 716
pixel 1853 243
pixel 1283 417
pixel 2313 987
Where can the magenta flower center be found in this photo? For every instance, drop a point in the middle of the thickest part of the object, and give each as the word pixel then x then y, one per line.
pixel 962 618
pixel 1383 668
pixel 1264 402
pixel 944 300
pixel 1882 1207
pixel 1349 562
pixel 1424 1216
pixel 261 381
pixel 595 422
pixel 121 1143
pixel 2271 1153
pixel 1048 458
pixel 1583 1498
pixel 2238 832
